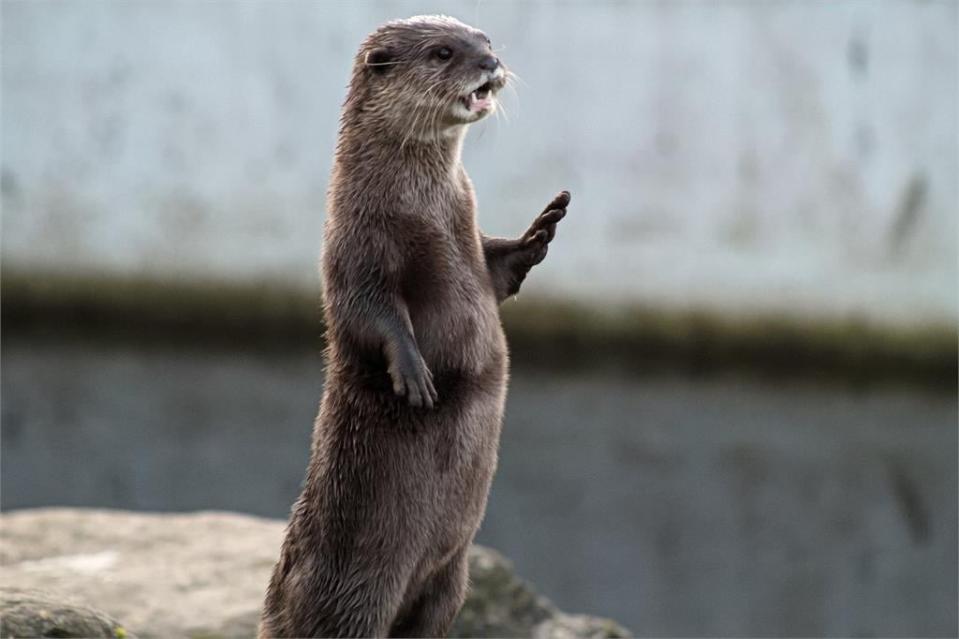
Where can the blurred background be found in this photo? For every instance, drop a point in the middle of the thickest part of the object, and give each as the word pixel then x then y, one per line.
pixel 733 404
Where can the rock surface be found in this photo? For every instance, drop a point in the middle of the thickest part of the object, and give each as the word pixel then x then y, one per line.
pixel 31 613
pixel 204 575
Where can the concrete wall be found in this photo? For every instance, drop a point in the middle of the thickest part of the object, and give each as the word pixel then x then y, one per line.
pixel 743 156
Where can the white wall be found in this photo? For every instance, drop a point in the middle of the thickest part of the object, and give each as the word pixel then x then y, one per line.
pixel 739 155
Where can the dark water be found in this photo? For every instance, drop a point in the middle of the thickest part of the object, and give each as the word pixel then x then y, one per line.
pixel 677 506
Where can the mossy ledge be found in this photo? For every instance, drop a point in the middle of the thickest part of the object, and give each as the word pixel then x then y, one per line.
pixel 542 332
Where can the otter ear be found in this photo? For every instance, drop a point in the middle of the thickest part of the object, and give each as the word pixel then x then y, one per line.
pixel 379 60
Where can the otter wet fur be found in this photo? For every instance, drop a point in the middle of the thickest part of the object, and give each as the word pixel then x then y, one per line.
pixel 405 444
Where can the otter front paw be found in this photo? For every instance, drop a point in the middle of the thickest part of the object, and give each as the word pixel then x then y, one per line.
pixel 531 248
pixel 412 379
pixel 535 241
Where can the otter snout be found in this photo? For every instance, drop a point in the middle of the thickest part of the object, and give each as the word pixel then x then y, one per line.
pixel 489 63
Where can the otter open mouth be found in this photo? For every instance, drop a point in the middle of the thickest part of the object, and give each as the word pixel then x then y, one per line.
pixel 479 99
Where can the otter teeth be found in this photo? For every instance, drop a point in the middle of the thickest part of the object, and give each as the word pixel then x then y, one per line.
pixel 479 99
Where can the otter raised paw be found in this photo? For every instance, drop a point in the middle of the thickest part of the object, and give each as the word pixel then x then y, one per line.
pixel 510 260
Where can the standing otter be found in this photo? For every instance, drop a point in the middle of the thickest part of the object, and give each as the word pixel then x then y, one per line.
pixel 405 444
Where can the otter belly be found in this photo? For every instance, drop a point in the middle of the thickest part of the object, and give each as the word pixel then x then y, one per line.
pixel 467 456
pixel 460 331
pixel 461 454
pixel 462 341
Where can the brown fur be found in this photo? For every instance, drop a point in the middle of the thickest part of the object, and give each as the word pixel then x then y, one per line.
pixel 405 444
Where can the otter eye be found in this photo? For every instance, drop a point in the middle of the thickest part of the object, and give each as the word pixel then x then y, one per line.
pixel 443 53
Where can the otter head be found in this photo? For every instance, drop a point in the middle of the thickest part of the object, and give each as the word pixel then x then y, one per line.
pixel 426 76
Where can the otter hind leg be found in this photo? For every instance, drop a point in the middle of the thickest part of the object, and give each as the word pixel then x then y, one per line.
pixel 433 611
pixel 341 606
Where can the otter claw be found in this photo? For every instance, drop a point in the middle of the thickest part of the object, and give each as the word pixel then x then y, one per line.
pixel 421 392
pixel 561 201
pixel 543 229
pixel 551 215
pixel 415 382
pixel 417 392
pixel 530 249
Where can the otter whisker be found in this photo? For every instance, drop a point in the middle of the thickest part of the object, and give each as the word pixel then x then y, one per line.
pixel 439 105
pixel 411 130
pixel 434 112
pixel 414 123
pixel 418 125
pixel 437 112
pixel 502 109
pixel 510 85
pixel 511 75
pixel 414 130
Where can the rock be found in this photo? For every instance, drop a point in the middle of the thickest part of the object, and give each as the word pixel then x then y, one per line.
pixel 564 626
pixel 500 604
pixel 204 575
pixel 31 613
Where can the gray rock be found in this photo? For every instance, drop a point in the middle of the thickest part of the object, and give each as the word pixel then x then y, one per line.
pixel 204 574
pixel 31 613
pixel 563 626
pixel 500 604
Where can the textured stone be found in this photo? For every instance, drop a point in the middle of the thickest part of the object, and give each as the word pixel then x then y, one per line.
pixel 32 613
pixel 204 575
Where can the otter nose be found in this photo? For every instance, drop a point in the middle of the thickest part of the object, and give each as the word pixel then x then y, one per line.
pixel 489 63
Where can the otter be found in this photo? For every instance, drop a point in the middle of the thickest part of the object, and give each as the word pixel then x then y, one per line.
pixel 405 443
